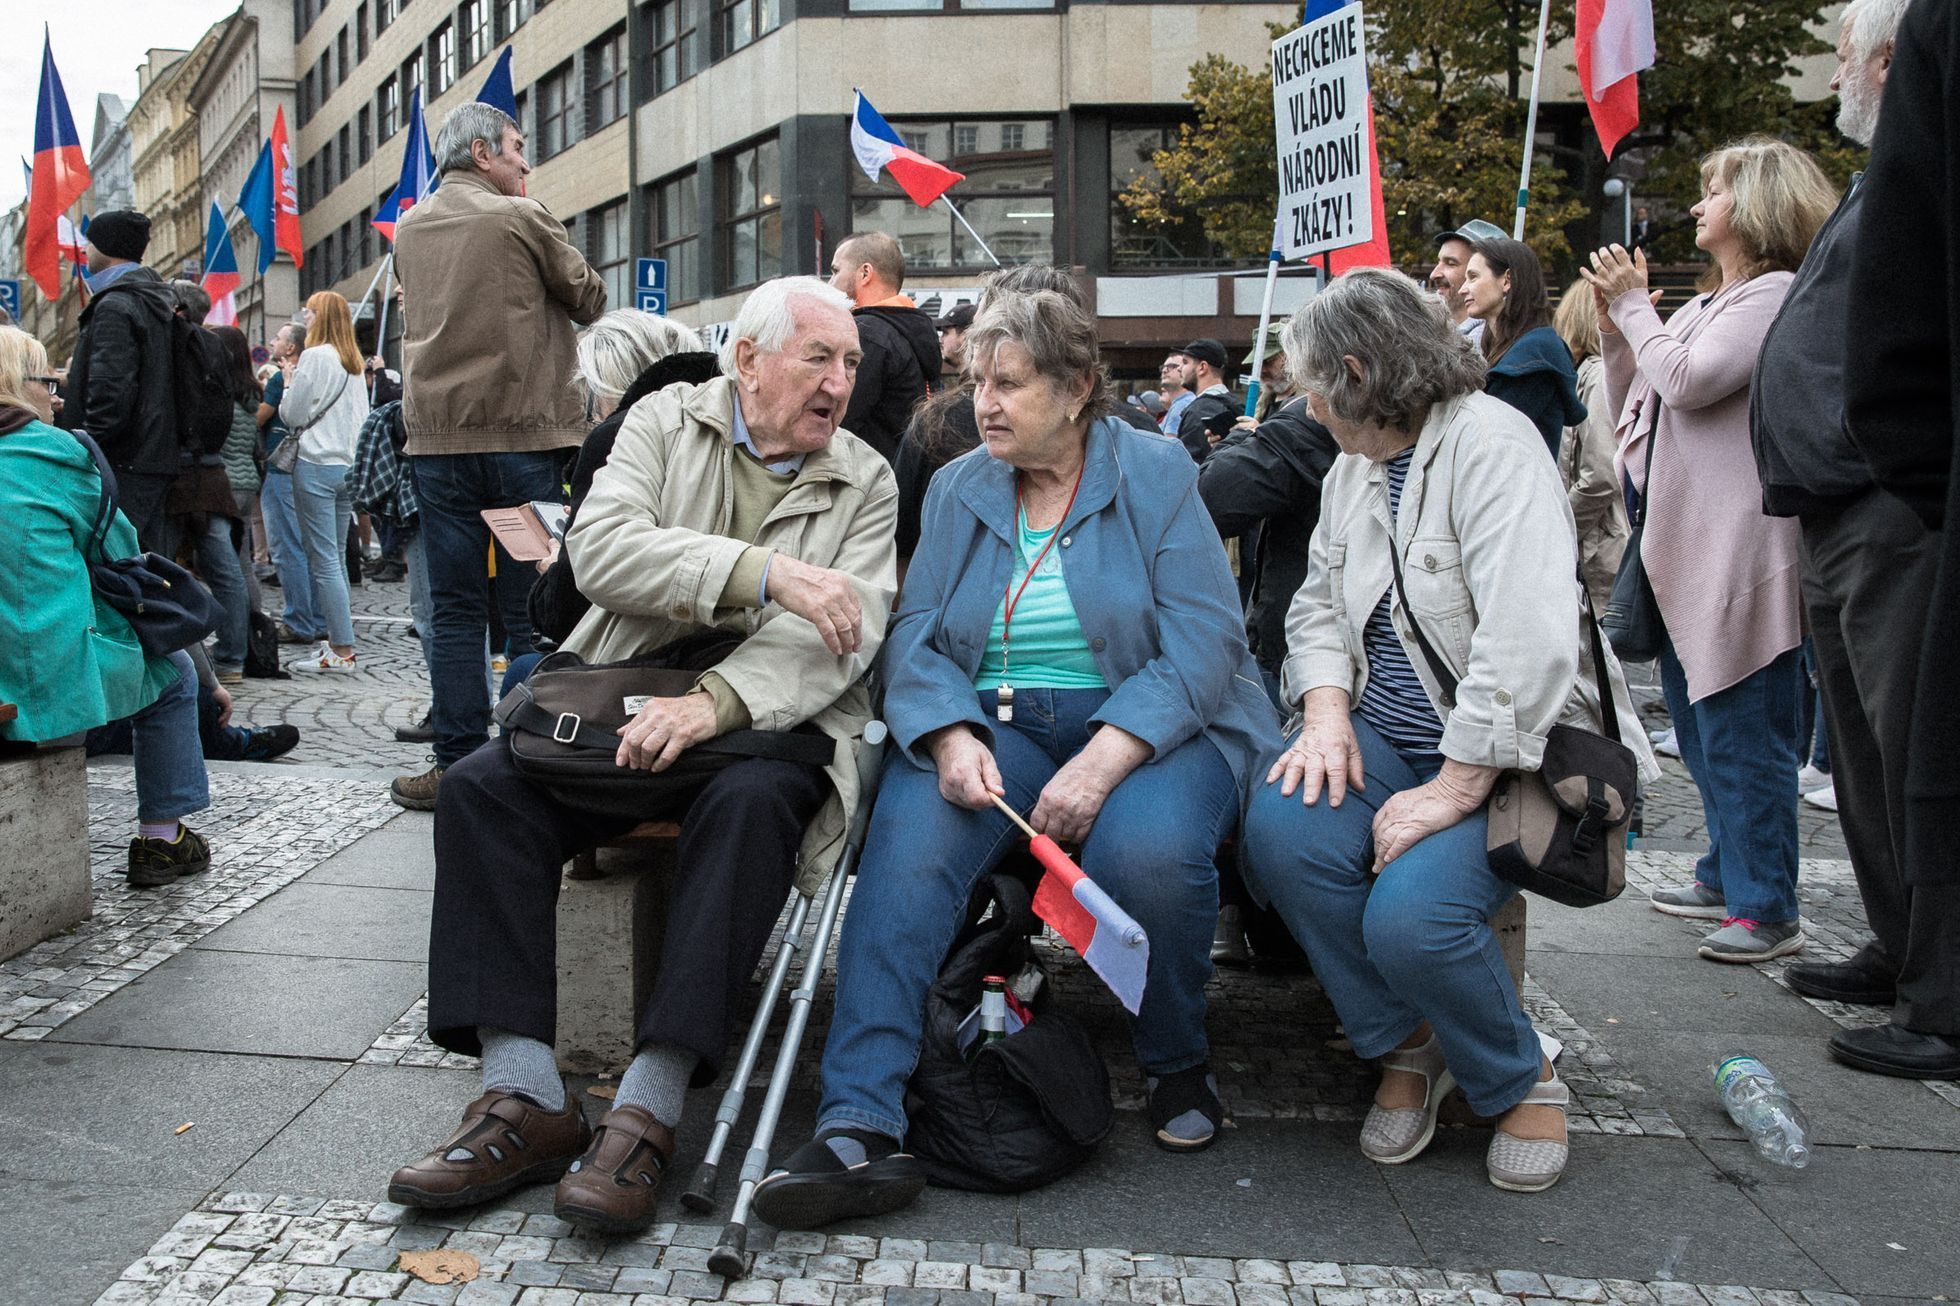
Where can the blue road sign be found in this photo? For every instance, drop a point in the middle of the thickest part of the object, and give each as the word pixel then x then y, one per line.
pixel 652 275
pixel 651 301
pixel 10 296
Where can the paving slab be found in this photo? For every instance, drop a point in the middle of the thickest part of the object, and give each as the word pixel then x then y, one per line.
pixel 1681 993
pixel 1844 1106
pixel 1880 1221
pixel 111 1115
pixel 254 1003
pixel 399 855
pixel 61 1242
pixel 332 920
pixel 1625 927
pixel 1627 1208
pixel 1270 1188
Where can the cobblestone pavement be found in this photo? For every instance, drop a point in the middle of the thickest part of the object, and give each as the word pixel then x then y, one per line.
pixel 268 830
pixel 250 1249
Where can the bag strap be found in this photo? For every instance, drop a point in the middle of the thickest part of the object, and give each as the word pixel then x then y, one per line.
pixel 105 511
pixel 324 408
pixel 1609 712
pixel 520 711
pixel 1647 476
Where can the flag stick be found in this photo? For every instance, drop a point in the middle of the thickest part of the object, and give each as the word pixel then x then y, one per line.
pixel 976 239
pixel 1531 122
pixel 1265 323
pixel 1013 816
pixel 381 325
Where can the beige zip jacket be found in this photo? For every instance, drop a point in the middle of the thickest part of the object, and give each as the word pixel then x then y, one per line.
pixel 1491 564
pixel 649 549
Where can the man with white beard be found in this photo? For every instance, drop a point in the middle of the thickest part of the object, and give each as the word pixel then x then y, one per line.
pixel 1868 570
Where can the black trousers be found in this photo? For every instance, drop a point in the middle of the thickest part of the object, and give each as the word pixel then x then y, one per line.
pixel 1867 578
pixel 501 843
pixel 141 496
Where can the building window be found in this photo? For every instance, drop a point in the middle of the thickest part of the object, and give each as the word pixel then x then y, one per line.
pixel 364 133
pixel 323 182
pixel 475 16
pixel 743 21
pixel 557 112
pixel 509 15
pixel 411 76
pixel 609 250
pixel 442 58
pixel 1008 195
pixel 385 12
pixel 605 79
pixel 674 222
pixel 362 32
pixel 751 197
pixel 303 100
pixel 673 36
pixel 366 236
pixel 341 61
pixel 388 106
pixel 346 151
pixel 1133 244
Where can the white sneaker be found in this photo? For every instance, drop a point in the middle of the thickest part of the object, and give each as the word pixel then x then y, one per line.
pixel 1665 745
pixel 1810 778
pixel 328 660
pixel 1824 797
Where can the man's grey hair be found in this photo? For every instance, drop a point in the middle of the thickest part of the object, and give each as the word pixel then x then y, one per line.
pixel 768 316
pixel 1873 24
pixel 193 300
pixel 1411 356
pixel 297 330
pixel 465 125
pixel 1026 278
pixel 613 351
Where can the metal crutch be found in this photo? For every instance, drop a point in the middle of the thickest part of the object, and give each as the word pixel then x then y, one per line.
pixel 730 1256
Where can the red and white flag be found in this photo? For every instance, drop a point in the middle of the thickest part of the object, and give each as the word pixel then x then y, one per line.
pixel 1613 41
pixel 1089 921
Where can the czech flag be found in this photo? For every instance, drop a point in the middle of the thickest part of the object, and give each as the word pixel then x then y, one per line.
pixel 70 241
pixel 1089 921
pixel 497 91
pixel 418 172
pixel 878 147
pixel 221 279
pixel 1612 41
pixel 59 177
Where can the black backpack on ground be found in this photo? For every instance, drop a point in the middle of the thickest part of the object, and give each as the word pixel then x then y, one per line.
pixel 199 382
pixel 262 650
pixel 1027 1109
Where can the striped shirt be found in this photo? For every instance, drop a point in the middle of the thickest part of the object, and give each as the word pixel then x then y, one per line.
pixel 1394 701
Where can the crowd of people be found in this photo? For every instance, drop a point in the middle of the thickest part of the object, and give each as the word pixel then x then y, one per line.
pixel 1437 495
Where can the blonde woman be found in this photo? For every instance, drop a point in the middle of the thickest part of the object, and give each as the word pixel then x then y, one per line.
pixel 1724 575
pixel 1585 455
pixel 323 406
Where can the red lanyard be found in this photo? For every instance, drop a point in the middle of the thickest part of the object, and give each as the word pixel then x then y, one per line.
pixel 1013 598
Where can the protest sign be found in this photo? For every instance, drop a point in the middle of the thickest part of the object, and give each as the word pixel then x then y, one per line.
pixel 1320 115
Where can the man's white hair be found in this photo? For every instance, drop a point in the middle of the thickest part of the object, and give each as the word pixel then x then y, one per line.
pixel 768 315
pixel 465 125
pixel 1873 24
pixel 613 351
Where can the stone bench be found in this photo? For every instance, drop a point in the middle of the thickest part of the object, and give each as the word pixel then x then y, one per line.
pixel 44 848
pixel 612 913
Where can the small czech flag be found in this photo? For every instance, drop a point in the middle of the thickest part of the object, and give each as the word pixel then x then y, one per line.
pixel 879 147
pixel 1089 921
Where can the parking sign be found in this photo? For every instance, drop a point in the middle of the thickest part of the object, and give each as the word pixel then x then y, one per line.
pixel 10 297
pixel 650 285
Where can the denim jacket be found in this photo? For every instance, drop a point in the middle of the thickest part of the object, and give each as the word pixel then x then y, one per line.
pixel 1147 575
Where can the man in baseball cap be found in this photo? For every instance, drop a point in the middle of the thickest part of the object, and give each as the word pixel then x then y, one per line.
pixel 952 339
pixel 1204 375
pixel 1453 250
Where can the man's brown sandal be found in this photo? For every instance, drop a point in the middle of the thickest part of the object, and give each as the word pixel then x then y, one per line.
pixel 504 1142
pixel 612 1188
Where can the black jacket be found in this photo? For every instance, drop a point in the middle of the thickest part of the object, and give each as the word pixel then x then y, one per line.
pixel 901 364
pixel 121 381
pixel 1902 395
pixel 556 604
pixel 917 463
pixel 1804 455
pixel 1191 422
pixel 1267 480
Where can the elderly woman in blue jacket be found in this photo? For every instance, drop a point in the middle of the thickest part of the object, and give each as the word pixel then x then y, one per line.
pixel 1069 638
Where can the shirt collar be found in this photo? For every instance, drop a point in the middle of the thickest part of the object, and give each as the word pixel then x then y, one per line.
pixel 738 435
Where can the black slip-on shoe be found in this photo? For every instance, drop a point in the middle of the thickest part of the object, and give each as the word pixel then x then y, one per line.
pixel 1842 981
pixel 1896 1050
pixel 814 1187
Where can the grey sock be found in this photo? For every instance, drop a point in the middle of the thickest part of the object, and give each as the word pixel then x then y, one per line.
pixel 513 1063
pixel 657 1082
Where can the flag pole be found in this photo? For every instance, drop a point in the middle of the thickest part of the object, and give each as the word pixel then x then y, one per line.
pixel 970 231
pixel 1265 321
pixel 381 326
pixel 1531 122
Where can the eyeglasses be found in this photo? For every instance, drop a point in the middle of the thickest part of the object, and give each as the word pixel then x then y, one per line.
pixel 49 381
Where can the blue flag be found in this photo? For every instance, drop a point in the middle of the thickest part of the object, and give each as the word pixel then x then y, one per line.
pixel 497 90
pixel 255 202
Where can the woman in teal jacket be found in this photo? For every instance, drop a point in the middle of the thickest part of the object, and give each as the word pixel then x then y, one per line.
pixel 73 663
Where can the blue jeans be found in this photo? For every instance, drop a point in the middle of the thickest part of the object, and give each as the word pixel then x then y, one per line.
pixel 1740 747
pixel 454 489
pixel 217 567
pixel 1151 849
pixel 325 509
pixel 170 777
pixel 302 616
pixel 1409 945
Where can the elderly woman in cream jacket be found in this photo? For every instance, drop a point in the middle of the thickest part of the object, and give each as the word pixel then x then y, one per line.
pixel 1368 834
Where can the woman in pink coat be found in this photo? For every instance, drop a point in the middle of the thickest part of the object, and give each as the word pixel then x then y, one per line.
pixel 1724 575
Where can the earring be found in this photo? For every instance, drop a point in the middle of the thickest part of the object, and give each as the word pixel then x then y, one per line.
pixel 1074 413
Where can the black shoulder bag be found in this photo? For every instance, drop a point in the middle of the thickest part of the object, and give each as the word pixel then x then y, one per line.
pixel 165 605
pixel 1633 619
pixel 1559 831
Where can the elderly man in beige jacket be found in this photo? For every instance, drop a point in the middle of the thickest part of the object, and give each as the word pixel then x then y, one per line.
pixel 491 288
pixel 734 506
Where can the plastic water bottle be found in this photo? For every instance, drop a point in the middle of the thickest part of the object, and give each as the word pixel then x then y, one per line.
pixel 1758 1103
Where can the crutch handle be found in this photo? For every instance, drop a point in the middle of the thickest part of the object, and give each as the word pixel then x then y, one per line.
pixel 699 1196
pixel 730 1259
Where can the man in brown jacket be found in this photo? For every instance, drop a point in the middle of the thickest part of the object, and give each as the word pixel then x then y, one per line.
pixel 491 289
